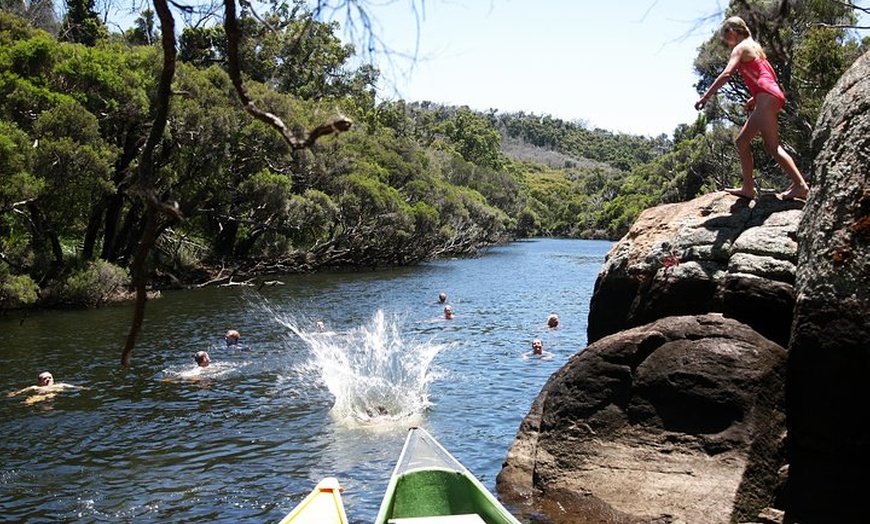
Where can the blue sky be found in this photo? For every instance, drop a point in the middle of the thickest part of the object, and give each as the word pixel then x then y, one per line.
pixel 620 65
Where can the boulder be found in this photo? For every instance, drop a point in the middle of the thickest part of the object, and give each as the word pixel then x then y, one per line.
pixel 716 253
pixel 678 420
pixel 685 407
pixel 829 354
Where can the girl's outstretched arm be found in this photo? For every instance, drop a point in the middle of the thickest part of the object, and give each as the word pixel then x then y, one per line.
pixel 724 76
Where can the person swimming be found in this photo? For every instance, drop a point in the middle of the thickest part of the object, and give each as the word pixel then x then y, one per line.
pixel 231 337
pixel 45 388
pixel 448 312
pixel 202 359
pixel 538 351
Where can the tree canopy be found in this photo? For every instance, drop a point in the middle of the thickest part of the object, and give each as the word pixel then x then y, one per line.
pixel 233 179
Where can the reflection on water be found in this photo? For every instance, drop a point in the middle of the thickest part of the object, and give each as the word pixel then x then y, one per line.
pixel 246 438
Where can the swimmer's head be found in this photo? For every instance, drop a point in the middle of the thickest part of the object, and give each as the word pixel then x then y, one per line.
pixel 45 379
pixel 537 346
pixel 201 358
pixel 232 336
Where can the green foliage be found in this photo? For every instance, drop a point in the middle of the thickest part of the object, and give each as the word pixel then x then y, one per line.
pixel 144 30
pixel 93 285
pixel 82 24
pixel 16 162
pixel 22 17
pixel 618 150
pixel 16 291
pixel 75 165
pixel 409 182
pixel 472 136
pixel 291 52
pixel 310 218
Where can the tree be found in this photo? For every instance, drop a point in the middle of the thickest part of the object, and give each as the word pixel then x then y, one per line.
pixel 38 13
pixel 81 23
pixel 154 207
pixel 144 30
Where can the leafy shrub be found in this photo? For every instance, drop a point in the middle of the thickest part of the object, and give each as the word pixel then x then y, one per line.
pixel 16 291
pixel 91 286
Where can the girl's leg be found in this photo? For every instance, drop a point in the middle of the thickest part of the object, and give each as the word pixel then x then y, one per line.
pixel 744 150
pixel 767 108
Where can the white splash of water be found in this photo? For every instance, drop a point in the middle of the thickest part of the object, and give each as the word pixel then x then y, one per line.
pixel 375 375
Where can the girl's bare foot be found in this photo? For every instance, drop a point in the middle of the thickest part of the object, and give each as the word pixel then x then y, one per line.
pixel 795 193
pixel 742 192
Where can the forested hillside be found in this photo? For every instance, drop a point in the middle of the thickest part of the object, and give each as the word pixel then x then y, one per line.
pixel 409 181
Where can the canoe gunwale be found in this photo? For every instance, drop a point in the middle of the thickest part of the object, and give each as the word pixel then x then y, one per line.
pixel 436 485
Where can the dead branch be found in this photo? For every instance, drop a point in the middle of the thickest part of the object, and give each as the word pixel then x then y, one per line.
pixel 233 32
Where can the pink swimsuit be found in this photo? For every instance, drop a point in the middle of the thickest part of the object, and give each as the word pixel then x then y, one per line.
pixel 760 78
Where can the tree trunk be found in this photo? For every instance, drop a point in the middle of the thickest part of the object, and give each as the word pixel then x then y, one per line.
pixel 146 176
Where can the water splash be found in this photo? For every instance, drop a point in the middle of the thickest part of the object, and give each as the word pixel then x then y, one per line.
pixel 375 375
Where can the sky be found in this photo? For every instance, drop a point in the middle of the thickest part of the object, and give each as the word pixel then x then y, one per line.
pixel 619 65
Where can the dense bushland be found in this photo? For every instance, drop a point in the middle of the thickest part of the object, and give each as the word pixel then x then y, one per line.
pixel 410 181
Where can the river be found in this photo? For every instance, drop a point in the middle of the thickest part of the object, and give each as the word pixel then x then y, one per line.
pixel 246 438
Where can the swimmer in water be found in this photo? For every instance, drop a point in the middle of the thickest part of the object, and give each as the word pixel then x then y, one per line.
pixel 202 359
pixel 45 388
pixel 232 337
pixel 538 351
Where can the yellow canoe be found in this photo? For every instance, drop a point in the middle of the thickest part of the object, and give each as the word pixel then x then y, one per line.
pixel 322 506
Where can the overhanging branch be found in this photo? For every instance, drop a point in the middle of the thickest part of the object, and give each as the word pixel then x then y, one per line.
pixel 231 27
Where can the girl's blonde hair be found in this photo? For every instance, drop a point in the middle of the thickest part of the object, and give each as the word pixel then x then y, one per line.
pixel 736 24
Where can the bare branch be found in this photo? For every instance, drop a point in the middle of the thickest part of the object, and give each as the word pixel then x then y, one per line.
pixel 231 27
pixel 153 205
pixel 842 26
pixel 852 6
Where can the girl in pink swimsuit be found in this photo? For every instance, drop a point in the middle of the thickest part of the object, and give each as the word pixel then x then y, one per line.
pixel 748 58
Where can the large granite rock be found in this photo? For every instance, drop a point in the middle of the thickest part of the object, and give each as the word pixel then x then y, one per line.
pixel 717 253
pixel 680 420
pixel 827 400
pixel 676 415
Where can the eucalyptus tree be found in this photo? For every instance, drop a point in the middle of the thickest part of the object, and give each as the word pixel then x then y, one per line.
pixel 18 189
pixel 81 24
pixel 39 13
pixel 157 209
pixel 80 107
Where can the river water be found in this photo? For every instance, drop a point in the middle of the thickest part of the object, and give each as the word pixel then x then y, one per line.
pixel 246 438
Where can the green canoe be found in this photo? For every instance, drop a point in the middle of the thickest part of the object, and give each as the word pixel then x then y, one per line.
pixel 429 486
